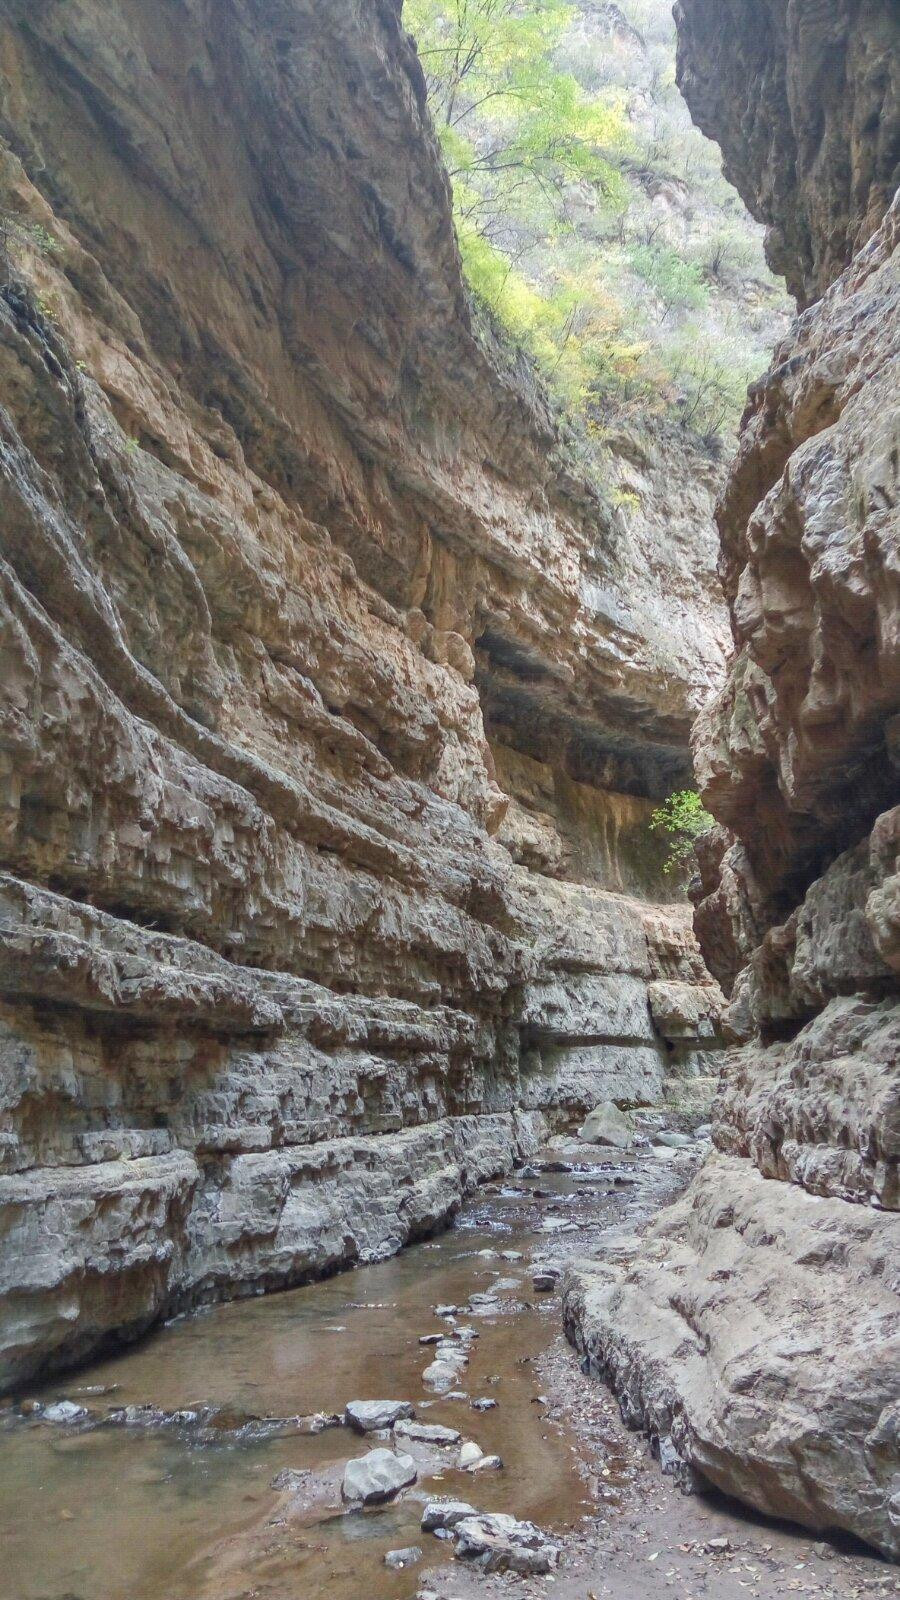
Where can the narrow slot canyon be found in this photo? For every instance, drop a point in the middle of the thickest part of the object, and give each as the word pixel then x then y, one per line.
pixel 449 799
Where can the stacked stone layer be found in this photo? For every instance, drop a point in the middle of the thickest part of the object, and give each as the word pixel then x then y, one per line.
pixel 289 550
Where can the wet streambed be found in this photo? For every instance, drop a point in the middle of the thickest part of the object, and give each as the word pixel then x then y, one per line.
pixel 186 1508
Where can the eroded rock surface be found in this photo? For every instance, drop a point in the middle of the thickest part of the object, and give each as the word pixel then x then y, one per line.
pixel 802 95
pixel 300 588
pixel 754 1331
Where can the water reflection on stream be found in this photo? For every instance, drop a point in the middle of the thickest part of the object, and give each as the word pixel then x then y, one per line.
pixel 114 1513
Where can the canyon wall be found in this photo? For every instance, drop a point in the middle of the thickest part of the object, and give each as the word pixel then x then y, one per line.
pixel 755 1331
pixel 335 699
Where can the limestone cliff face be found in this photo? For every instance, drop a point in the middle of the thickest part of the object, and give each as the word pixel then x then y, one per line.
pixel 757 1324
pixel 281 533
pixel 802 96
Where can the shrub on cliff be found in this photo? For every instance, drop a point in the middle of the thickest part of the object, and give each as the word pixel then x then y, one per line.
pixel 681 819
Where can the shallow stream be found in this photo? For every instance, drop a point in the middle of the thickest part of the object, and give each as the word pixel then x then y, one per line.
pixel 153 1507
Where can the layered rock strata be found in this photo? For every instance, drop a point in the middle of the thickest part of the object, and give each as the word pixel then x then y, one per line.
pixel 755 1331
pixel 281 532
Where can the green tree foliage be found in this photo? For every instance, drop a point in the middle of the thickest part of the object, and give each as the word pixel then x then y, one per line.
pixel 680 819
pixel 560 163
pixel 526 147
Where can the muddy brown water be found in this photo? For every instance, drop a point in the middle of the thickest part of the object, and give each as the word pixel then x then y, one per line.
pixel 104 1512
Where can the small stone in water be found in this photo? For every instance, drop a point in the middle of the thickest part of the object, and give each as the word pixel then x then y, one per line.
pixel 426 1433
pixel 318 1422
pixel 483 1404
pixel 486 1464
pixel 398 1559
pixel 470 1453
pixel 545 1277
pixel 64 1411
pixel 440 1375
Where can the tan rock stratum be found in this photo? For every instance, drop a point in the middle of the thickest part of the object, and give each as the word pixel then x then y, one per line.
pixel 334 701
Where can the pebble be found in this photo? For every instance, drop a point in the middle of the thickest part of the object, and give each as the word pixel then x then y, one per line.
pixel 426 1433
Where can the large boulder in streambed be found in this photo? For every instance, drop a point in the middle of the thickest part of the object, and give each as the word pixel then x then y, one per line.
pixel 609 1126
pixel 371 1479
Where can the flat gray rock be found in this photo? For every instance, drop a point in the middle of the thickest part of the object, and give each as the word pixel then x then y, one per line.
pixel 426 1433
pixel 370 1416
pixel 398 1559
pixel 445 1514
pixel 376 1477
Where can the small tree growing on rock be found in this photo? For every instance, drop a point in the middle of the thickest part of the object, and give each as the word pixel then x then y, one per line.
pixel 681 819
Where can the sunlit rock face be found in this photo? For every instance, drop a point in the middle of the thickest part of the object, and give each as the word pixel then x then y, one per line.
pixel 720 1329
pixel 302 602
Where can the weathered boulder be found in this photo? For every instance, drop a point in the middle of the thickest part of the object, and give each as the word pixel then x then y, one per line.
pixel 607 1125
pixel 376 1477
pixel 756 1326
pixel 499 1543
pixel 371 1416
pixel 445 1514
